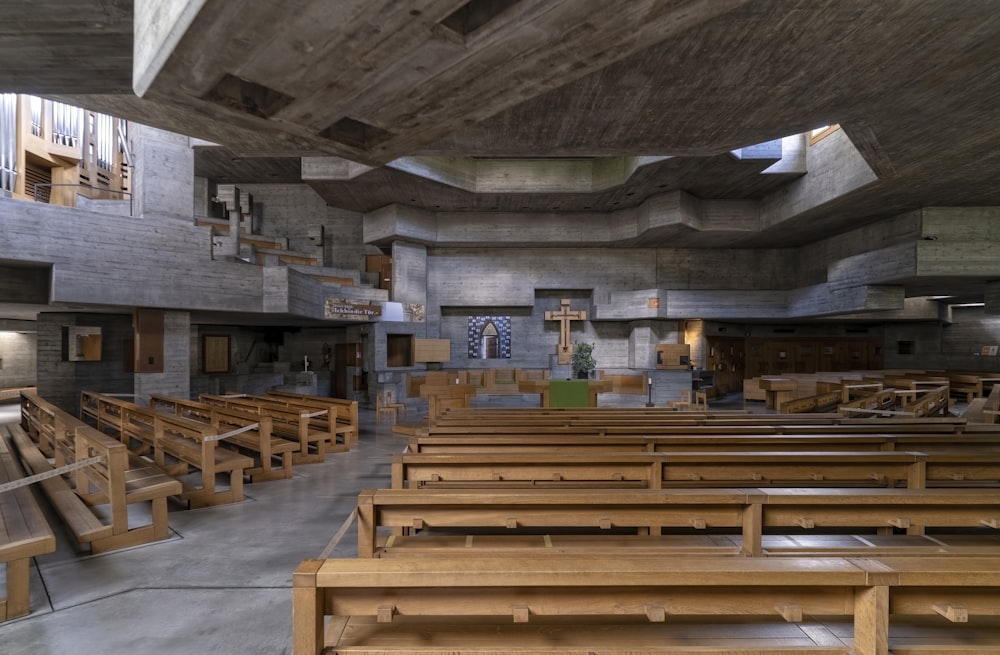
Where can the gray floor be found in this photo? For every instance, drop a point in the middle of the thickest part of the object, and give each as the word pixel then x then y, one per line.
pixel 222 583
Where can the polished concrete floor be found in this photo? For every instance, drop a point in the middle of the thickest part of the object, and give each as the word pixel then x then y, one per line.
pixel 222 583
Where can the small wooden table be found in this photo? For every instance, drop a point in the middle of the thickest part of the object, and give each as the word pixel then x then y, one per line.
pixel 441 397
pixel 777 391
pixel 543 387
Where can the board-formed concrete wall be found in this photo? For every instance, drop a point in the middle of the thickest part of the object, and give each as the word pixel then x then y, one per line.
pixel 954 344
pixel 289 210
pixel 17 358
pixel 162 174
pixel 60 381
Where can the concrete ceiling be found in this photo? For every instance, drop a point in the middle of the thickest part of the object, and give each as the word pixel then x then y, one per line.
pixel 913 82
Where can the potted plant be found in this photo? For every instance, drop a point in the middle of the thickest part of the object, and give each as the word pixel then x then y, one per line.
pixel 583 360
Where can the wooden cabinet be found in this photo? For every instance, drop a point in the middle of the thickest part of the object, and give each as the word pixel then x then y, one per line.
pixel 673 356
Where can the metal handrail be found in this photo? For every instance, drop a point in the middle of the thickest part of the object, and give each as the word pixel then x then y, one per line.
pixel 85 186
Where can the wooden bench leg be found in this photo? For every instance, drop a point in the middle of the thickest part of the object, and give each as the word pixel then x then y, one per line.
pixel 307 610
pixel 871 621
pixel 236 484
pixel 18 602
pixel 753 522
pixel 161 527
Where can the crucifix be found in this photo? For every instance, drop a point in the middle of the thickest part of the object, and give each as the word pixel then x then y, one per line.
pixel 564 316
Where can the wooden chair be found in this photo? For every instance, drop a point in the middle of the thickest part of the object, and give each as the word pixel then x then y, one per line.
pixel 383 410
pixel 684 404
pixel 701 400
pixel 397 407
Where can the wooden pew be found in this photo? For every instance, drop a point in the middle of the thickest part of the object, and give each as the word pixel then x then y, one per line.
pixel 293 423
pixel 934 425
pixel 251 433
pixel 591 443
pixel 965 385
pixel 24 533
pixel 475 605
pixel 880 403
pixel 190 443
pixel 94 502
pixel 325 415
pixel 677 469
pixel 347 412
pixel 822 402
pixel 991 408
pixel 662 420
pixel 429 522
pixel 692 468
pixel 176 444
pixel 642 511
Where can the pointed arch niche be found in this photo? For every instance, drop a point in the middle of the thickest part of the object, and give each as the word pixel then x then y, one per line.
pixel 489 337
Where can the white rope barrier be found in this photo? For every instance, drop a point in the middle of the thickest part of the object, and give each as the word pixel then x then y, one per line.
pixel 54 473
pixel 232 433
pixel 340 534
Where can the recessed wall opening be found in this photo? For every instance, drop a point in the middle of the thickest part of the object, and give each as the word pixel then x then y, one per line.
pixel 247 97
pixel 399 350
pixel 474 14
pixel 822 132
pixel 355 133
pixel 905 348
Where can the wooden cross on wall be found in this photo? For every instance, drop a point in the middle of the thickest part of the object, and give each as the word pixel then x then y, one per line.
pixel 564 316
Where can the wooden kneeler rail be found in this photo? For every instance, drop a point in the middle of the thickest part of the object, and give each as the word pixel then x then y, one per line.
pixel 374 602
pixel 429 522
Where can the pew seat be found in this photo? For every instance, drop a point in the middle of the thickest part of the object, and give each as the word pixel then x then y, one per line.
pixel 639 604
pixel 24 533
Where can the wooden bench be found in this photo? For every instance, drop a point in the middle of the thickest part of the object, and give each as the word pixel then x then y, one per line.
pixel 752 390
pixel 38 421
pixel 475 605
pixel 584 443
pixel 347 410
pixel 692 468
pixel 534 522
pixel 176 444
pixel 822 402
pixel 989 409
pixel 250 433
pixel 660 419
pixel 24 533
pixel 346 425
pixel 659 470
pixel 880 403
pixel 340 417
pixel 94 502
pixel 964 385
pixel 293 423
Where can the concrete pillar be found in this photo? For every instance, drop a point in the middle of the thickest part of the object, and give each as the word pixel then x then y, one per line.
pixel 163 174
pixel 642 340
pixel 175 380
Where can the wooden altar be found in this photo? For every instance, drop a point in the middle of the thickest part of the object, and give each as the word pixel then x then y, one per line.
pixel 543 387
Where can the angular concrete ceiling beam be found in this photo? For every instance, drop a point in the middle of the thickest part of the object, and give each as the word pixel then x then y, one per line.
pixel 372 81
pixel 821 300
pixel 541 175
pixel 669 212
pixel 331 168
pixel 883 265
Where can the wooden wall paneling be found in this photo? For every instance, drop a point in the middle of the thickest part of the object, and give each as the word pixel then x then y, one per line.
pixel 148 345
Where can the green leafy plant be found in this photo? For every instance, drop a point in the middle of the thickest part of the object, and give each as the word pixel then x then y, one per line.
pixel 583 359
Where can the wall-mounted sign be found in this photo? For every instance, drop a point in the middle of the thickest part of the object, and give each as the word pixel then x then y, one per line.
pixel 347 309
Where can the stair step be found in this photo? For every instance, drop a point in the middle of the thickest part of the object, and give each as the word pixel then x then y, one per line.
pixel 265 255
